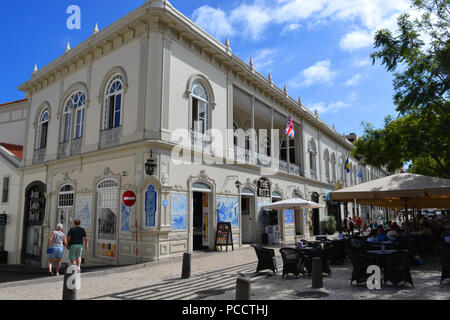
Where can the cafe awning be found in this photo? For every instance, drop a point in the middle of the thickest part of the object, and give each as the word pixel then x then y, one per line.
pixel 295 203
pixel 395 191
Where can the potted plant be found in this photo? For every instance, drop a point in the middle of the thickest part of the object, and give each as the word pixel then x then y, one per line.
pixel 331 225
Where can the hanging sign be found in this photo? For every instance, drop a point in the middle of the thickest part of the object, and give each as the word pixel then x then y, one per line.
pixel 264 188
pixel 129 198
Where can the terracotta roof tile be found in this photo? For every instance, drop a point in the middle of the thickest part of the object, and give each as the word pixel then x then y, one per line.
pixel 15 149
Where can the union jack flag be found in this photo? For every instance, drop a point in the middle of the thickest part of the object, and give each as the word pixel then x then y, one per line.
pixel 290 130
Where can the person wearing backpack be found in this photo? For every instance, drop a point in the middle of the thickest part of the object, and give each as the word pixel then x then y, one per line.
pixel 55 248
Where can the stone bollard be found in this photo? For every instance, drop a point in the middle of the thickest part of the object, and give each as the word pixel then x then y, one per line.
pixel 243 289
pixel 317 277
pixel 72 283
pixel 186 273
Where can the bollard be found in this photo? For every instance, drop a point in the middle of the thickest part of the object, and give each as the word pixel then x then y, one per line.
pixel 243 289
pixel 317 279
pixel 72 283
pixel 186 273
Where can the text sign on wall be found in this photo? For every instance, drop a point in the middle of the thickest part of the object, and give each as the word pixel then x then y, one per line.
pixel 264 188
pixel 3 219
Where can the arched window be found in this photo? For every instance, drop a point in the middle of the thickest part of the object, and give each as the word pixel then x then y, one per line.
pixel 333 167
pixel 327 165
pixel 65 206
pixel 42 133
pixel 199 108
pixel 312 157
pixel 112 116
pixel 76 104
pixel 343 171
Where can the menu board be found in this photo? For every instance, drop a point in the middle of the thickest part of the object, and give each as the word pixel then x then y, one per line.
pixel 224 236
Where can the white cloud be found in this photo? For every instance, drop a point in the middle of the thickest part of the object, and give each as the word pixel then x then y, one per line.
pixel 214 21
pixel 353 81
pixel 264 59
pixel 290 27
pixel 252 18
pixel 334 107
pixel 319 73
pixel 356 40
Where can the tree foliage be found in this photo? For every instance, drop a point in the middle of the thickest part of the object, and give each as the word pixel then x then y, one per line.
pixel 418 55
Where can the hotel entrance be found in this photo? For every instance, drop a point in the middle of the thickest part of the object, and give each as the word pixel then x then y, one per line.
pixel 201 217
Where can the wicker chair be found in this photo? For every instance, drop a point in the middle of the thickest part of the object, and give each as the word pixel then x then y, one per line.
pixel 445 260
pixel 266 259
pixel 360 263
pixel 292 262
pixel 396 268
pixel 338 252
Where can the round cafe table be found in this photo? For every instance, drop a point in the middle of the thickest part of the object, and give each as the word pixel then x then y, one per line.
pixel 381 256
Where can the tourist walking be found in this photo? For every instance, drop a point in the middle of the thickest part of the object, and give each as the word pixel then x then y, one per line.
pixel 55 248
pixel 75 239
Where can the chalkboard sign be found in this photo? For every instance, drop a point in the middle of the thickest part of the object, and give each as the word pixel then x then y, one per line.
pixel 224 236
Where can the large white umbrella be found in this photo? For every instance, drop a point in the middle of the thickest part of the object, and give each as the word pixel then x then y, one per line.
pixel 295 203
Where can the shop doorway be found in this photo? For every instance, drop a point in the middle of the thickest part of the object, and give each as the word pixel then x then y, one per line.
pixel 201 221
pixel 248 215
pixel 32 227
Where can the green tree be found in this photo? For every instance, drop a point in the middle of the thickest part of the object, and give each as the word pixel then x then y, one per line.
pixel 418 54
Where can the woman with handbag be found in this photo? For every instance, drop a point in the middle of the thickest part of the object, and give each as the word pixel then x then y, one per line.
pixel 55 248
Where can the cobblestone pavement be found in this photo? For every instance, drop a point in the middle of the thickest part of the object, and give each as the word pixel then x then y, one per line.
pixel 214 278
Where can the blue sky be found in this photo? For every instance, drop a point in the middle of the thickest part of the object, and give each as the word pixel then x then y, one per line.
pixel 320 49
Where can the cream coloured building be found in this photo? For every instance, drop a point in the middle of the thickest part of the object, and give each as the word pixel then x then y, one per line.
pixel 101 111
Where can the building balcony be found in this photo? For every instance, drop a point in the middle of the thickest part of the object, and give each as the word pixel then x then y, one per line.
pixel 264 160
pixel 39 155
pixel 110 137
pixel 63 149
pixel 313 174
pixel 241 155
pixel 75 148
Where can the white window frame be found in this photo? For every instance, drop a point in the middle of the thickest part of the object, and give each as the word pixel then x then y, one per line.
pixel 205 100
pixel 42 121
pixel 106 106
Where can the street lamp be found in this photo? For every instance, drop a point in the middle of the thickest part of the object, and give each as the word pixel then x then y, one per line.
pixel 150 165
pixel 238 184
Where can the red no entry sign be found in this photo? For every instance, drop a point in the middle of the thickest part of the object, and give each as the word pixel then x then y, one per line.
pixel 129 198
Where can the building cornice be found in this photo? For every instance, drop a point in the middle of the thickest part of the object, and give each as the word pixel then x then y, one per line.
pixel 161 16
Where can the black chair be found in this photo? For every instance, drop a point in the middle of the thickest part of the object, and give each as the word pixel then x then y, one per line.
pixel 396 268
pixel 292 262
pixel 266 259
pixel 445 260
pixel 360 263
pixel 338 252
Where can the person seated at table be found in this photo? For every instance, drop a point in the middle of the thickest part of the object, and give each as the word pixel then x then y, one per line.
pixel 392 233
pixel 381 234
pixel 373 238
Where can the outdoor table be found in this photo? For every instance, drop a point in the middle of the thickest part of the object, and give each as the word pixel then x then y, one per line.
pixel 382 255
